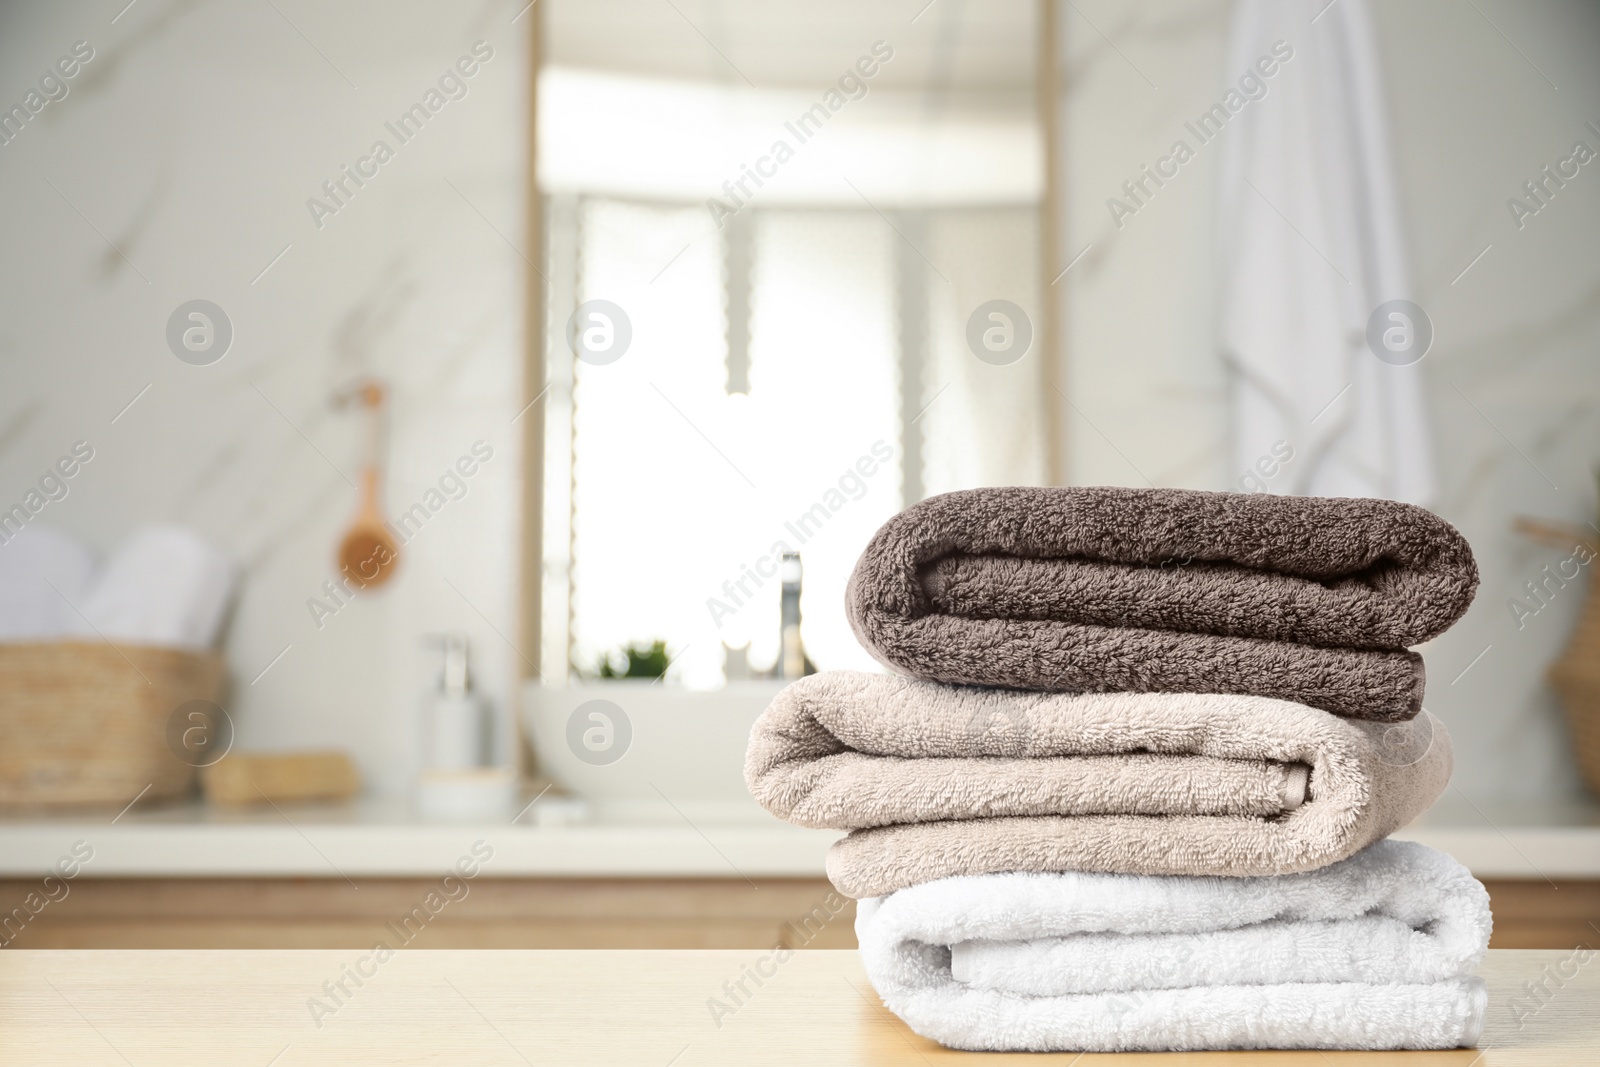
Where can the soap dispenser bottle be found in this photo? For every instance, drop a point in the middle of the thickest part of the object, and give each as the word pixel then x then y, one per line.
pixel 457 728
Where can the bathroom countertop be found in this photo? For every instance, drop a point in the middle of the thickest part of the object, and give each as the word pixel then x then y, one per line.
pixel 1536 840
pixel 381 838
pixel 576 1007
pixel 378 838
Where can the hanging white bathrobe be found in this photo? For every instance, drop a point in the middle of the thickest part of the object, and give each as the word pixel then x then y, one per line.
pixel 1312 242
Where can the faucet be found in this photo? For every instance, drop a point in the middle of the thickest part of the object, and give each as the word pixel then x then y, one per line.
pixel 792 659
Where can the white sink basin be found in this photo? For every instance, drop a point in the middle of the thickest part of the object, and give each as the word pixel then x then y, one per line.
pixel 645 751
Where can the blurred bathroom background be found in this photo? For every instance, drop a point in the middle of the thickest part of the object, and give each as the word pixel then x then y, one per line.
pixel 958 271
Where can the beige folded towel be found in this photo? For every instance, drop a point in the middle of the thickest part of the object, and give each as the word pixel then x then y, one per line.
pixel 936 780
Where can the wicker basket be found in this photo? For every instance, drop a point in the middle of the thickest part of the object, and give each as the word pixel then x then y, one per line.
pixel 1576 676
pixel 88 724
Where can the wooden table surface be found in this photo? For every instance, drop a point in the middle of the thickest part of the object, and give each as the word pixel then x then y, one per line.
pixel 138 1008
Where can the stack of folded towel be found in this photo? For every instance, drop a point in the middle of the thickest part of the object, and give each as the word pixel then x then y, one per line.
pixel 1135 791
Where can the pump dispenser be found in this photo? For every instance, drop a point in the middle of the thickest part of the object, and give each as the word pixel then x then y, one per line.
pixel 457 728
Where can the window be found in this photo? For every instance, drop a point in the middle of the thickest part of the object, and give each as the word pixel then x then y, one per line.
pixel 794 377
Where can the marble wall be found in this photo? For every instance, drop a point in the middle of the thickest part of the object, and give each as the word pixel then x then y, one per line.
pixel 179 163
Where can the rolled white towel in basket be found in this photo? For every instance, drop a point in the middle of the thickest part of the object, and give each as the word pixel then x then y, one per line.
pixel 43 573
pixel 164 586
pixel 1374 952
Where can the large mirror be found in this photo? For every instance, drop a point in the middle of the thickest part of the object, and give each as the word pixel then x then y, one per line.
pixel 770 232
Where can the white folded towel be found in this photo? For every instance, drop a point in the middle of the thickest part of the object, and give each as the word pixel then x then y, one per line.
pixel 164 586
pixel 1374 952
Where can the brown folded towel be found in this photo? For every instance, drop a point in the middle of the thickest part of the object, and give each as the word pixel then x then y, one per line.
pixel 1101 589
pixel 937 780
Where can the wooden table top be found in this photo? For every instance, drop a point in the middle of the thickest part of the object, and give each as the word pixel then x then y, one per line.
pixel 165 1009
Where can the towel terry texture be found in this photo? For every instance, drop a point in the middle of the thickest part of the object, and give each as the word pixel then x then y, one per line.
pixel 936 780
pixel 1101 589
pixel 1374 952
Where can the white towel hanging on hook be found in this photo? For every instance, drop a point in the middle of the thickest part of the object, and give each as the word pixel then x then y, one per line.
pixel 1312 247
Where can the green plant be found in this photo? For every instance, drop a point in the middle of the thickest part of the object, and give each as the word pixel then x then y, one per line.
pixel 639 661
